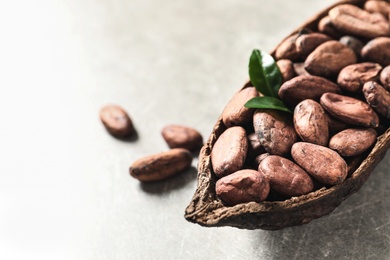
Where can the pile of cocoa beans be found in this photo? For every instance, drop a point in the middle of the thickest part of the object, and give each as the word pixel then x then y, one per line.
pixel 336 80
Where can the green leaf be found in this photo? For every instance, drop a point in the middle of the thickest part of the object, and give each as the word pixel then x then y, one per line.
pixel 267 102
pixel 264 73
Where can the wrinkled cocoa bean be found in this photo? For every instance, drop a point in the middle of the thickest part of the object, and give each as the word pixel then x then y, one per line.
pixel 275 131
pixel 322 163
pixel 242 186
pixel 178 136
pixel 353 77
pixel 385 78
pixel 286 177
pixel 306 87
pixel 229 151
pixel 378 98
pixel 353 141
pixel 376 6
pixel 235 113
pixel 355 44
pixel 116 121
pixel 349 110
pixel 287 69
pixel 329 58
pixel 311 123
pixel 162 165
pixel 326 26
pixel 377 50
pixel 306 43
pixel 352 20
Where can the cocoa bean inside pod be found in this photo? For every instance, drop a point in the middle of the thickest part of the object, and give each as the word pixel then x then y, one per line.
pixel 377 50
pixel 349 110
pixel 229 152
pixel 378 98
pixel 353 77
pixel 328 59
pixel 353 141
pixel 353 20
pixel 275 130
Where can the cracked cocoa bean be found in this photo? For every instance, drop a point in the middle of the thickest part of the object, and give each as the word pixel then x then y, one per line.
pixel 378 98
pixel 353 141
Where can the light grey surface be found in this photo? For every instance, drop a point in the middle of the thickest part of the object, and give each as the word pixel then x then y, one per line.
pixel 65 191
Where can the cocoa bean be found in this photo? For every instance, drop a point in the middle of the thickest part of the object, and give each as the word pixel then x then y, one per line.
pixel 353 20
pixel 353 77
pixel 353 141
pixel 322 163
pixel 329 58
pixel 378 98
pixel 116 121
pixel 229 151
pixel 286 68
pixel 235 113
pixel 306 87
pixel 307 43
pixel 162 165
pixel 287 49
pixel 376 6
pixel 179 136
pixel 385 78
pixel 311 123
pixel 349 110
pixel 242 186
pixel 285 177
pixel 275 131
pixel 355 44
pixel 326 26
pixel 377 50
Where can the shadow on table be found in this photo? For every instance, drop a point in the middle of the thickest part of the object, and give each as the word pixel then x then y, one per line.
pixel 175 182
pixel 358 229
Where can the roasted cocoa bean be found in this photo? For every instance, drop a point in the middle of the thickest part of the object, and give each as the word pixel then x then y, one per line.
pixel 349 110
pixel 242 186
pixel 162 165
pixel 322 163
pixel 229 151
pixel 116 121
pixel 385 78
pixel 306 87
pixel 353 141
pixel 353 20
pixel 355 44
pixel 286 177
pixel 378 98
pixel 329 59
pixel 311 123
pixel 275 131
pixel 287 69
pixel 179 136
pixel 377 50
pixel 235 113
pixel 353 77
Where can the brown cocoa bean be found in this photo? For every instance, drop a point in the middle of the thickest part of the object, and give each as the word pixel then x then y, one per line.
pixel 311 123
pixel 385 78
pixel 322 163
pixel 286 177
pixel 353 20
pixel 353 77
pixel 229 151
pixel 235 113
pixel 254 146
pixel 162 165
pixel 329 58
pixel 287 49
pixel 349 110
pixel 306 87
pixel 179 136
pixel 376 6
pixel 306 43
pixel 242 186
pixel 353 141
pixel 355 44
pixel 275 131
pixel 378 98
pixel 326 26
pixel 259 159
pixel 286 68
pixel 335 125
pixel 377 50
pixel 116 121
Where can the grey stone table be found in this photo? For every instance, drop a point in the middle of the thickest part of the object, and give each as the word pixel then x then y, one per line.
pixel 65 191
